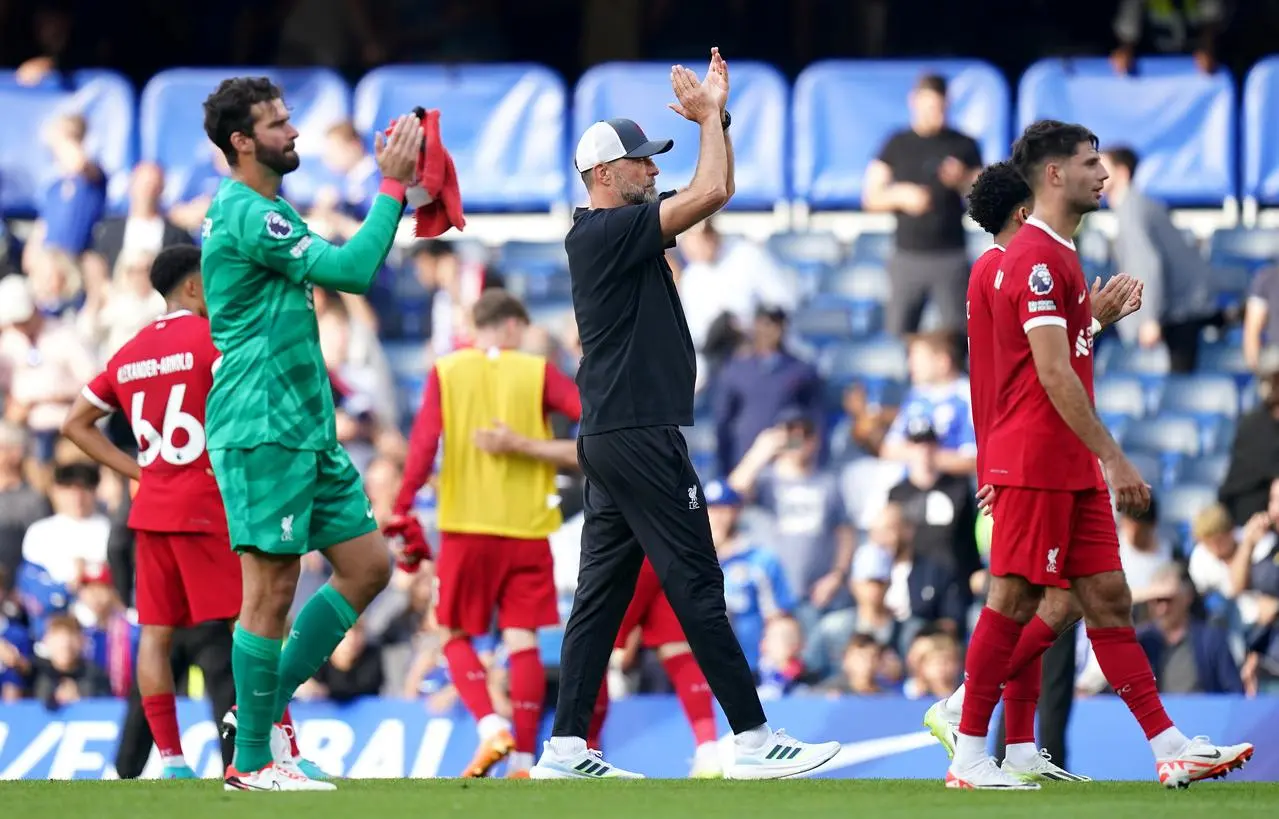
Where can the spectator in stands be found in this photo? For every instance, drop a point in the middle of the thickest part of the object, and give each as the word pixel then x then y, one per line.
pixel 933 665
pixel 940 508
pixel 364 392
pixel 15 643
pixel 924 596
pixel 1260 323
pixel 733 277
pixel 873 565
pixel 354 670
pixel 111 639
pixel 354 169
pixel 938 392
pixel 1254 456
pixel 126 305
pixel 454 285
pixel 1142 549
pixel 922 174
pixel 859 672
pixel 74 538
pixel 196 191
pixel 1158 26
pixel 1218 567
pixel 813 536
pixel 755 586
pixel 20 504
pixel 74 201
pixel 43 365
pixel 144 228
pixel 62 674
pixel 1179 296
pixel 781 660
pixel 757 385
pixel 1187 655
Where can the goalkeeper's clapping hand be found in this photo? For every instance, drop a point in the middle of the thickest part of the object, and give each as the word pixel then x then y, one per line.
pixel 407 540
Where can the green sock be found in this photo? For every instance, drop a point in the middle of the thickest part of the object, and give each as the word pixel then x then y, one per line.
pixel 255 662
pixel 319 627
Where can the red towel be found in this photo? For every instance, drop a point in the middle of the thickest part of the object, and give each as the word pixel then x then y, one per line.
pixel 436 197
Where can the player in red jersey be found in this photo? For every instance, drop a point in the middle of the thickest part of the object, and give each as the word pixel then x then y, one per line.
pixel 1000 203
pixel 1054 525
pixel 495 513
pixel 186 571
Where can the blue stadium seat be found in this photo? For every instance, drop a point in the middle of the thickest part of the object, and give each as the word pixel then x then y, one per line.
pixel 1148 465
pixel 871 247
pixel 1250 248
pixel 858 281
pixel 844 111
pixel 1232 282
pixel 641 91
pixel 1172 434
pixel 1134 360
pixel 701 436
pixel 171 123
pixel 1206 469
pixel 1181 122
pixel 884 357
pixel 823 320
pixel 1200 395
pixel 406 358
pixel 1260 111
pixel 1121 396
pixel 503 125
pixel 1222 357
pixel 1117 423
pixel 1180 503
pixel 106 100
pixel 820 250
pixel 1216 433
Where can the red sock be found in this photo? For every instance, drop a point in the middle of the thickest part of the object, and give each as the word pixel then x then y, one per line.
pixel 597 718
pixel 286 720
pixel 1025 675
pixel 528 690
pixel 162 715
pixel 469 677
pixel 986 669
pixel 1127 669
pixel 694 695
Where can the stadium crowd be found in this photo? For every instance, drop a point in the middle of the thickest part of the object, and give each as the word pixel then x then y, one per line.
pixel 852 545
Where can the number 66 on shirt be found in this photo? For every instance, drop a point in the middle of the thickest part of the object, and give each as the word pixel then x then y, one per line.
pixel 187 572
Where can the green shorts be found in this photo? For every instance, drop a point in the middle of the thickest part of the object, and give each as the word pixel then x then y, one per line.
pixel 289 502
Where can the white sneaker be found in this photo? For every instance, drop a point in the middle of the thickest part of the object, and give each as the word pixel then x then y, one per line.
pixel 271 778
pixel 282 754
pixel 1200 759
pixel 943 724
pixel 780 756
pixel 984 775
pixel 1041 769
pixel 706 764
pixel 588 764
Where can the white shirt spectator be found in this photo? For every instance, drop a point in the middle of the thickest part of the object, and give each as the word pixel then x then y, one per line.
pixel 60 542
pixel 742 277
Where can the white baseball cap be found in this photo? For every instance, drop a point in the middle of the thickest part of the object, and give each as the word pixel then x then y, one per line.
pixel 612 139
pixel 16 303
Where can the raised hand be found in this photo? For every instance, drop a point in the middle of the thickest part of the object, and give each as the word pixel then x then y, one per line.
pixel 397 155
pixel 1110 303
pixel 695 101
pixel 717 79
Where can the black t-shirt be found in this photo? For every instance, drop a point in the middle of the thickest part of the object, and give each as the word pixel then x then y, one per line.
pixel 914 158
pixel 945 519
pixel 638 365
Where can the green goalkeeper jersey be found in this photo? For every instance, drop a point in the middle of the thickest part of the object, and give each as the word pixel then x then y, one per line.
pixel 260 263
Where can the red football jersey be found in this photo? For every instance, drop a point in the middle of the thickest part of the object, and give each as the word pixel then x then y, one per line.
pixel 1039 283
pixel 981 348
pixel 161 379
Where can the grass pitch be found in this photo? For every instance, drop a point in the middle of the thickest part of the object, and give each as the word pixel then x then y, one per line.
pixel 649 799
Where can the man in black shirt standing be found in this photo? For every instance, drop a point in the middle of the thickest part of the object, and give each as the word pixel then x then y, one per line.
pixel 922 174
pixel 642 495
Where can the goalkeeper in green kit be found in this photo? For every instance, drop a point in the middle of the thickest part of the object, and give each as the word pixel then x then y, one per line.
pixel 287 485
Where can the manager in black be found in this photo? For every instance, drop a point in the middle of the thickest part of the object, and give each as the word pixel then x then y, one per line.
pixel 642 495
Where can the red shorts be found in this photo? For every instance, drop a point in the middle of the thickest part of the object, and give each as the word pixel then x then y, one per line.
pixel 479 574
pixel 651 612
pixel 186 578
pixel 1050 537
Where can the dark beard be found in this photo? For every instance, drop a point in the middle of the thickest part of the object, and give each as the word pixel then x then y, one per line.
pixel 280 162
